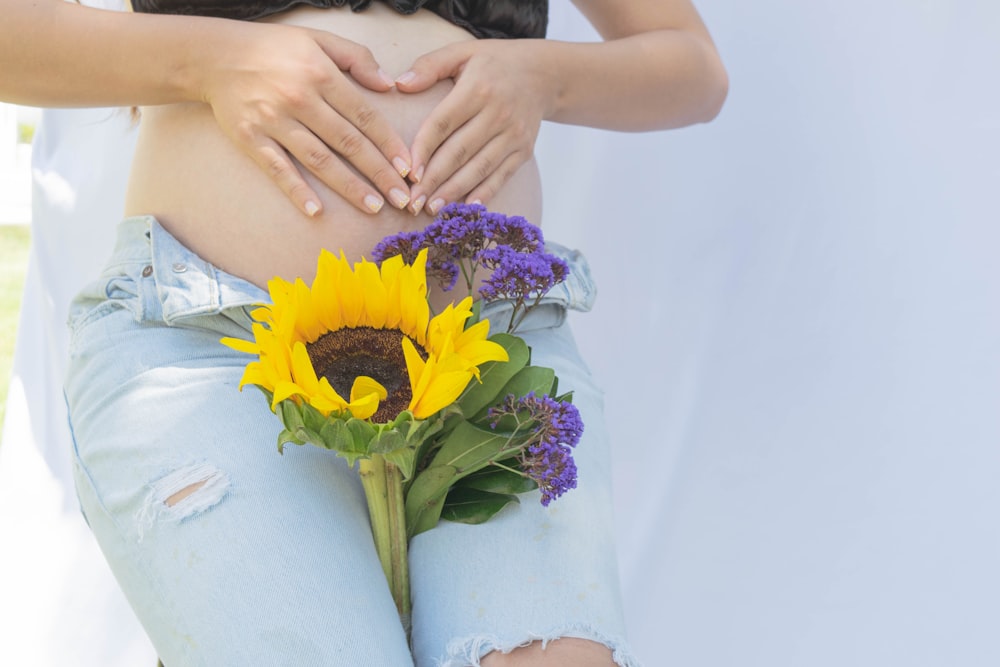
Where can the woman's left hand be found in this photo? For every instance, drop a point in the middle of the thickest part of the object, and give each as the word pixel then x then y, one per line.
pixel 486 127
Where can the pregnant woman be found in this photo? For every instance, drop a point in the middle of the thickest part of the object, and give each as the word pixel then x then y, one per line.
pixel 271 130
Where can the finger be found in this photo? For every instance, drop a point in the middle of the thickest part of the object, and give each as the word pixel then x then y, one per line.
pixel 318 158
pixel 354 58
pixel 275 162
pixel 348 102
pixel 349 143
pixel 479 178
pixel 444 121
pixel 459 148
pixel 444 63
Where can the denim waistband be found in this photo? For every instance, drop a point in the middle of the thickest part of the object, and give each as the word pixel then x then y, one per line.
pixel 187 286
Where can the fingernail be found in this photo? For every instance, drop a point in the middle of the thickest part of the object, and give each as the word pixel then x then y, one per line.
pixel 406 77
pixel 478 202
pixel 312 208
pixel 418 175
pixel 373 203
pixel 418 204
pixel 401 166
pixel 399 198
pixel 435 205
pixel 386 79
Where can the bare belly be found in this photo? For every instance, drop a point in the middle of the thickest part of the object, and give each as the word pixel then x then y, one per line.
pixel 220 204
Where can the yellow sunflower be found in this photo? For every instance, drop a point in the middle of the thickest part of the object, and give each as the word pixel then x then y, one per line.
pixel 364 333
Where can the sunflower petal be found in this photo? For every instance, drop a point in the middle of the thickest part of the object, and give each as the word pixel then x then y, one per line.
pixel 441 392
pixel 415 367
pixel 306 322
pixel 364 385
pixel 365 396
pixel 391 269
pixel 302 369
pixel 240 345
pixel 350 296
pixel 326 287
pixel 331 396
pixel 376 298
pixel 255 375
pixel 285 390
pixel 479 352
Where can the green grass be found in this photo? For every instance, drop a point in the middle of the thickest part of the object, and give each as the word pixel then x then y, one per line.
pixel 14 241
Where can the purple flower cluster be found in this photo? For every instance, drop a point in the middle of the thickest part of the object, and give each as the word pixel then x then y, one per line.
pixel 407 244
pixel 465 237
pixel 515 232
pixel 557 428
pixel 515 275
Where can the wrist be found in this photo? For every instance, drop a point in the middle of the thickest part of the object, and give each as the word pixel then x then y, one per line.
pixel 547 59
pixel 205 56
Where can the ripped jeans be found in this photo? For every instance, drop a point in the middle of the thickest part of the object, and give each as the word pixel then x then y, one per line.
pixel 233 555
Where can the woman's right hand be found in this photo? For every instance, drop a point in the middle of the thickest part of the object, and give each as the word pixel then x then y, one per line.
pixel 281 92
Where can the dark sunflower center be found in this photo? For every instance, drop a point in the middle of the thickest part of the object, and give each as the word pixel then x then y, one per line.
pixel 341 356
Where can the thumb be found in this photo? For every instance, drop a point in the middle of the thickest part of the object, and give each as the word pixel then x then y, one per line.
pixel 356 59
pixel 444 63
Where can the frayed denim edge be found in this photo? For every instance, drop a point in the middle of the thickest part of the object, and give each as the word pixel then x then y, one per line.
pixel 468 651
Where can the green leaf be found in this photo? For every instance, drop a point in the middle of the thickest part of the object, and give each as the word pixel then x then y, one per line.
pixel 425 498
pixel 404 459
pixel 286 437
pixel 538 379
pixel 306 435
pixel 494 375
pixel 565 398
pixel 498 480
pixel 312 418
pixel 468 448
pixel 288 411
pixel 362 432
pixel 386 441
pixel 474 506
pixel 335 435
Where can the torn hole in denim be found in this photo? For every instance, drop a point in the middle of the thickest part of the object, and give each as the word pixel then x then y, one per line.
pixel 469 651
pixel 182 494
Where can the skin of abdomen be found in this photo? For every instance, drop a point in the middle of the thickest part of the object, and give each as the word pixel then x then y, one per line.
pixel 219 203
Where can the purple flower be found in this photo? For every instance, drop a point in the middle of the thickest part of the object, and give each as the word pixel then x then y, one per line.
pixel 514 231
pixel 556 428
pixel 459 229
pixel 517 275
pixel 407 244
pixel 466 237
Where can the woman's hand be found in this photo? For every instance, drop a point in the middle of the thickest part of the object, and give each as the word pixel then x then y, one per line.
pixel 486 127
pixel 284 92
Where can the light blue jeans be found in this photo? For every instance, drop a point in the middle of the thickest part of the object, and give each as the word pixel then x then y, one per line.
pixel 270 560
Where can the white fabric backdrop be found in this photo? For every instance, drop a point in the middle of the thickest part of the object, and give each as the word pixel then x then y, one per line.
pixel 797 334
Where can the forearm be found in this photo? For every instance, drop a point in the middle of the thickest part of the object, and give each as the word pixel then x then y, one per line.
pixel 58 54
pixel 650 81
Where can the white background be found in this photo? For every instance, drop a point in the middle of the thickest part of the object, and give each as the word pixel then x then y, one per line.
pixel 800 340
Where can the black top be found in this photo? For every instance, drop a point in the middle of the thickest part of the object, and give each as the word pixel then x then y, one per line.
pixel 483 18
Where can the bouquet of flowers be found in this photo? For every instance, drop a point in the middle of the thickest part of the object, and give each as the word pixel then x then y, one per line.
pixel 443 420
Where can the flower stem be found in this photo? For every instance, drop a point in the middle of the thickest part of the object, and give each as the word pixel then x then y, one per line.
pixel 400 582
pixel 372 471
pixel 383 484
